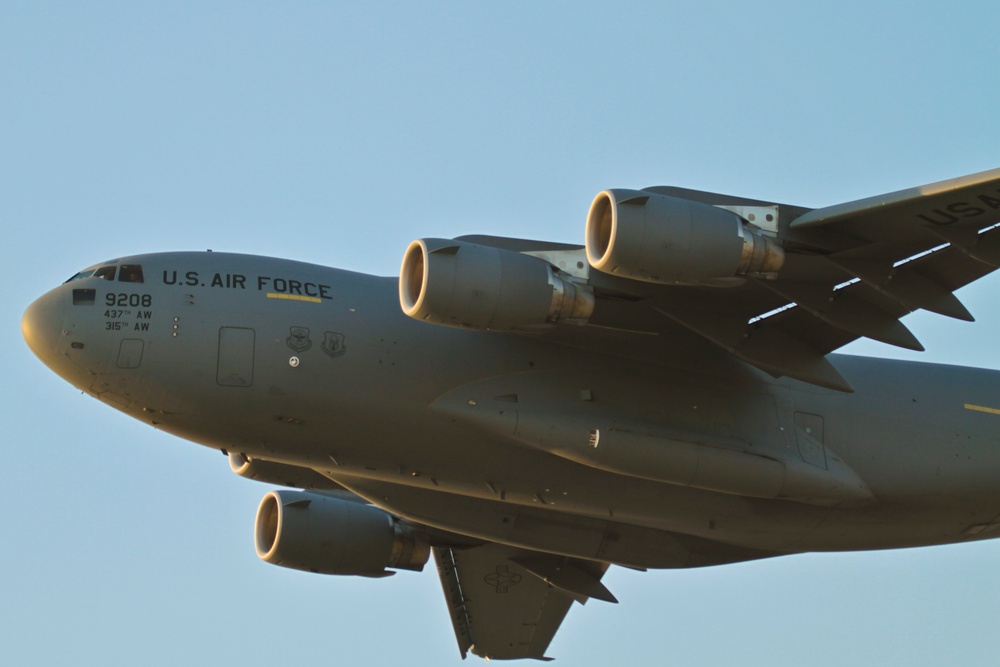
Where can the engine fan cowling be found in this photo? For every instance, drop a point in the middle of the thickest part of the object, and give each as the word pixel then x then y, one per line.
pixel 271 472
pixel 462 284
pixel 316 533
pixel 661 239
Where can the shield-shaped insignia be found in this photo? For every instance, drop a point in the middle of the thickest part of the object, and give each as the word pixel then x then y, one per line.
pixel 298 339
pixel 333 344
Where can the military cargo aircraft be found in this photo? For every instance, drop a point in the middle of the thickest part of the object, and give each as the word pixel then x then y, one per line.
pixel 532 413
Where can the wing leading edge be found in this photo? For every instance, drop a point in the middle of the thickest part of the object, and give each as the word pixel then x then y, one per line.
pixel 852 270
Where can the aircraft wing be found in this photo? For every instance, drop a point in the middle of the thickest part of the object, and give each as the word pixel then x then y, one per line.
pixel 851 270
pixel 507 603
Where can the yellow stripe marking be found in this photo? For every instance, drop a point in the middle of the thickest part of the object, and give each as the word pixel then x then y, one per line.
pixel 311 299
pixel 981 408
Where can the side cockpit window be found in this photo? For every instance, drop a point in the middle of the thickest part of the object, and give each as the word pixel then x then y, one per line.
pixel 81 275
pixel 106 272
pixel 130 273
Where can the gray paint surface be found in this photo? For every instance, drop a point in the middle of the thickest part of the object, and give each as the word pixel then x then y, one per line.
pixel 258 137
pixel 573 447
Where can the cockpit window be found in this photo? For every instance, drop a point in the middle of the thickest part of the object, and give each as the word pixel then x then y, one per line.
pixel 81 275
pixel 106 272
pixel 130 273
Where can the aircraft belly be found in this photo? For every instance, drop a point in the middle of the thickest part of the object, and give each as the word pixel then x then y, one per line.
pixel 551 531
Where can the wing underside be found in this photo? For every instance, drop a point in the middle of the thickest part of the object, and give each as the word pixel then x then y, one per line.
pixel 507 603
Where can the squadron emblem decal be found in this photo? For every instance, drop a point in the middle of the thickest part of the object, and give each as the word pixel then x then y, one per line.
pixel 333 344
pixel 298 339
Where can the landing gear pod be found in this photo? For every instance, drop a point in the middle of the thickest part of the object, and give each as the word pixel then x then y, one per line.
pixel 317 533
pixel 660 239
pixel 461 284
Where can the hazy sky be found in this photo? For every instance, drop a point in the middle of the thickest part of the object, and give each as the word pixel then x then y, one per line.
pixel 336 134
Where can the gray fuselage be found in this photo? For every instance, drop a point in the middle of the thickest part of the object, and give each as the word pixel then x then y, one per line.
pixel 318 368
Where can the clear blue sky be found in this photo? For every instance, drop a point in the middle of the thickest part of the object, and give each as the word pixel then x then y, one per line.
pixel 336 133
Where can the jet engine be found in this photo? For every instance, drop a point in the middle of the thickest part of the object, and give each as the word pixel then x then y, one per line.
pixel 462 284
pixel 661 239
pixel 326 535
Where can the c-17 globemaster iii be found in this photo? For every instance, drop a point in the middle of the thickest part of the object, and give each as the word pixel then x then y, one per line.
pixel 532 413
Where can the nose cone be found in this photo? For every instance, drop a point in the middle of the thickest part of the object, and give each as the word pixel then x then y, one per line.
pixel 42 324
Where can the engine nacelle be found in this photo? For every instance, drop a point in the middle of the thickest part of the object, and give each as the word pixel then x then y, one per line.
pixel 461 284
pixel 667 240
pixel 271 472
pixel 317 533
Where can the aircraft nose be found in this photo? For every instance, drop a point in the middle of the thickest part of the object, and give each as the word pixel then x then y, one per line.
pixel 41 325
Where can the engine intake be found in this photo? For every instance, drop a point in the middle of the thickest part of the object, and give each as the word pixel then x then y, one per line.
pixel 661 239
pixel 317 533
pixel 462 284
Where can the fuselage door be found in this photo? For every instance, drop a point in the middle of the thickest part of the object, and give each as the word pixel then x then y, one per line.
pixel 235 357
pixel 130 353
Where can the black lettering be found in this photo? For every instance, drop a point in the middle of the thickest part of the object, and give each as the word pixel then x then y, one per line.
pixel 261 281
pixel 217 281
pixel 294 287
pixel 239 281
pixel 141 326
pixel 947 219
pixel 310 289
pixel 280 285
pixel 191 278
pixel 324 292
pixel 965 210
pixel 992 202
pixel 169 277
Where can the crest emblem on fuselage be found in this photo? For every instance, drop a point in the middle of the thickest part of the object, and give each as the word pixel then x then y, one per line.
pixel 333 344
pixel 299 339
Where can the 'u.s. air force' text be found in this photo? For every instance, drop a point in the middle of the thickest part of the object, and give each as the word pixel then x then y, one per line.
pixel 239 281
